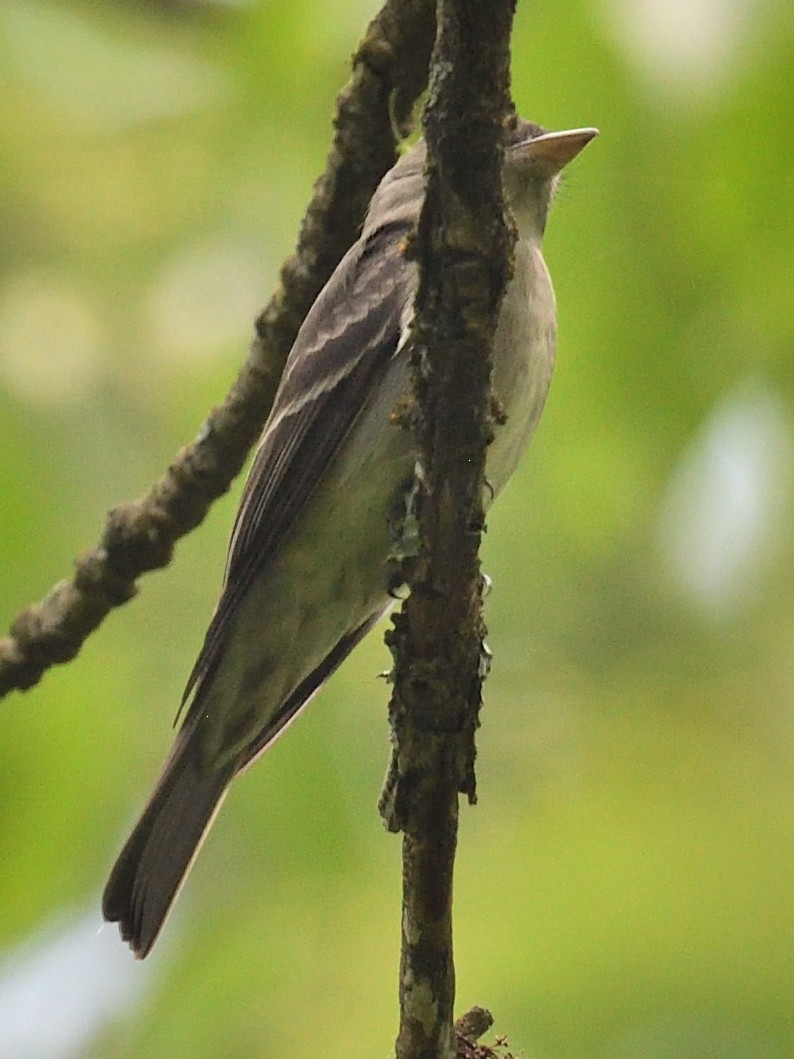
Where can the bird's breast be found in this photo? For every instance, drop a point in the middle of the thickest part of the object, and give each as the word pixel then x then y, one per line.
pixel 524 349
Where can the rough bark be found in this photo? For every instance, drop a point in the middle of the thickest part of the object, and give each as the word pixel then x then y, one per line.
pixel 463 245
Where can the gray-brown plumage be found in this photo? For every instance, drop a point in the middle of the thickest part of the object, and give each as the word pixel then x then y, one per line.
pixel 309 566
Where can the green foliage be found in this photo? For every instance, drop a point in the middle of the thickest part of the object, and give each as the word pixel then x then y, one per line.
pixel 625 885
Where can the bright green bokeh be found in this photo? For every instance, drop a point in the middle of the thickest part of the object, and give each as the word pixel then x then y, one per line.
pixel 625 886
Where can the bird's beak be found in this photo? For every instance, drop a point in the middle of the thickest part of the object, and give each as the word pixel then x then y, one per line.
pixel 552 151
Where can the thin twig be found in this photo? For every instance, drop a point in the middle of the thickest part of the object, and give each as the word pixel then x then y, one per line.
pixel 463 246
pixel 389 72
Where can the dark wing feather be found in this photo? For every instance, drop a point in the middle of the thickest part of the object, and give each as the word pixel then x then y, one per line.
pixel 339 356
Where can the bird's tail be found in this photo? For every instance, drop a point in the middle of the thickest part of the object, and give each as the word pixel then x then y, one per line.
pixel 151 868
pixel 146 878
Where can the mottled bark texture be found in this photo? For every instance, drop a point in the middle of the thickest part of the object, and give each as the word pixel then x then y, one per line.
pixel 463 246
pixel 389 73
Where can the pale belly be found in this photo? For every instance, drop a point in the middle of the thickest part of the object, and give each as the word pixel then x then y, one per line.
pixel 334 570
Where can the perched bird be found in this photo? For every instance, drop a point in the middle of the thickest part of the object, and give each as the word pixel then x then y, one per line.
pixel 310 563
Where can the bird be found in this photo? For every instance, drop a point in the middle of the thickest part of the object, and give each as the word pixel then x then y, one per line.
pixel 311 563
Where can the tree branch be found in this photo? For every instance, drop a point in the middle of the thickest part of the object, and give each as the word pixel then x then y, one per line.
pixel 389 72
pixel 463 246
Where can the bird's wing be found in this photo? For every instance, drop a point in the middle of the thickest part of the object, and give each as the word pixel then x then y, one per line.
pixel 339 357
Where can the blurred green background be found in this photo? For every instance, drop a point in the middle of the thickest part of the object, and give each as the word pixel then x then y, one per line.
pixel 625 888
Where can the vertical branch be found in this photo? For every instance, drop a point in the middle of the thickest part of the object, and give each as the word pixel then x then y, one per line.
pixel 463 247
